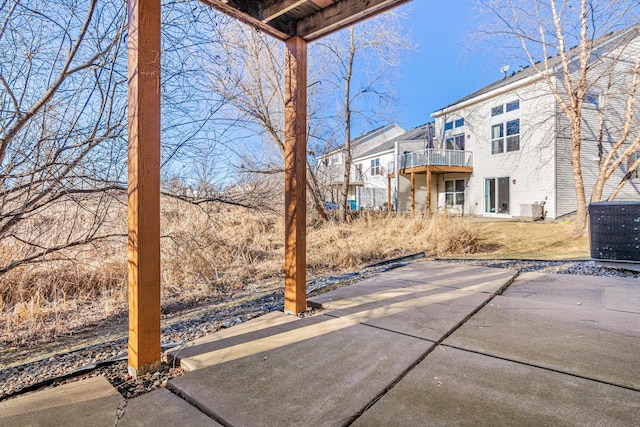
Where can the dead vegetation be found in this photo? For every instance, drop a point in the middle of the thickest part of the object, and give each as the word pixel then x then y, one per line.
pixel 208 252
pixel 214 252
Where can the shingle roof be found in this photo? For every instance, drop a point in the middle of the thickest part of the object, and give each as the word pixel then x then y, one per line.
pixel 363 138
pixel 528 71
pixel 415 134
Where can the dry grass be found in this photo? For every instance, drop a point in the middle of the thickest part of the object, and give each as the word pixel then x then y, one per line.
pixel 221 252
pixel 530 240
pixel 206 253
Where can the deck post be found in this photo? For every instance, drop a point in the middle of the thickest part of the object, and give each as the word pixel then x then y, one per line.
pixel 389 193
pixel 428 203
pixel 295 164
pixel 413 193
pixel 143 217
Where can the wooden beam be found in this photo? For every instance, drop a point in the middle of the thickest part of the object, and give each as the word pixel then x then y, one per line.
pixel 295 164
pixel 272 9
pixel 437 169
pixel 340 15
pixel 323 3
pixel 428 203
pixel 253 21
pixel 144 186
pixel 413 193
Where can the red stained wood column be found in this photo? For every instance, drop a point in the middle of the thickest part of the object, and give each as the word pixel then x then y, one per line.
pixel 144 186
pixel 295 163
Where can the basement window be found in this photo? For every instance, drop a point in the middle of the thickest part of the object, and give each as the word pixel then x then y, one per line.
pixel 454 192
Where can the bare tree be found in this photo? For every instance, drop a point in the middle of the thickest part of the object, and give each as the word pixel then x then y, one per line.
pixel 62 124
pixel 63 121
pixel 250 82
pixel 583 49
pixel 362 63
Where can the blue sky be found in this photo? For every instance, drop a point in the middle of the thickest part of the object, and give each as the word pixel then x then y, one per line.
pixel 442 69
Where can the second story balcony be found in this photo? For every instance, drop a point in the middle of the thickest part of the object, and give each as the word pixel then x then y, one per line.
pixel 438 160
pixel 334 174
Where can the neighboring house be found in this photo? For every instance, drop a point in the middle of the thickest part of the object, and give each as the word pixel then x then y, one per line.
pixel 366 172
pixel 505 150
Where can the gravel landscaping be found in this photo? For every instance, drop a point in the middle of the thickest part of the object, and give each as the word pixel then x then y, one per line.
pixel 109 358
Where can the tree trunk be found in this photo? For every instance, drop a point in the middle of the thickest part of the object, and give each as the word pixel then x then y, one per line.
pixel 347 125
pixel 576 166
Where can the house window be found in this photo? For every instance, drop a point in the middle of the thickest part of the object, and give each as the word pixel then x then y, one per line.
pixel 454 192
pixel 455 142
pixel 592 100
pixel 512 106
pixel 497 137
pixel 375 167
pixel 508 107
pixel 513 135
pixel 500 144
pixel 458 123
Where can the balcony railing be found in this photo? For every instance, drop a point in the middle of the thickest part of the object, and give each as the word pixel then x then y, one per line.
pixel 433 157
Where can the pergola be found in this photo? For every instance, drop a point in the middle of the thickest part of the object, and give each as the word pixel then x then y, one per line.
pixel 296 22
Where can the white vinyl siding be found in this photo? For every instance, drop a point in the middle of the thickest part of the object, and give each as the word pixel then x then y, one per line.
pixel 531 166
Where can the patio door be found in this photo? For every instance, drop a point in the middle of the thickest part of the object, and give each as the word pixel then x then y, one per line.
pixel 496 195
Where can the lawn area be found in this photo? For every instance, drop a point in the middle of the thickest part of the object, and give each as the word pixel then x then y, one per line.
pixel 530 240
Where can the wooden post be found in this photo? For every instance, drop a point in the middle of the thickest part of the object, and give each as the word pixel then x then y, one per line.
pixel 295 166
pixel 388 194
pixel 144 186
pixel 428 204
pixel 413 193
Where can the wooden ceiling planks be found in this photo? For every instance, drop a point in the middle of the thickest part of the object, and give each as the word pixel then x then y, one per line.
pixel 307 19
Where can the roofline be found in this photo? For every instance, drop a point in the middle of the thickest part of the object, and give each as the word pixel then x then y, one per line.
pixel 364 135
pixel 538 74
pixel 390 150
pixel 487 95
pixel 374 155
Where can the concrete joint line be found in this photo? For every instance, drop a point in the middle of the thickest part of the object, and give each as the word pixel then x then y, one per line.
pixel 404 373
pixel 122 408
pixel 546 368
pixel 203 409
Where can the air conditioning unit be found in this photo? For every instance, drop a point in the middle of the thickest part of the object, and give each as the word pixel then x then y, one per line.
pixel 532 211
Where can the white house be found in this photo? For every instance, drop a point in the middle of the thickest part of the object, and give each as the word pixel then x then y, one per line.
pixel 367 170
pixel 371 182
pixel 505 150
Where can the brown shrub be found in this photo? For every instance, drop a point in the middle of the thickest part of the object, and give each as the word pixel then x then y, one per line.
pixel 207 252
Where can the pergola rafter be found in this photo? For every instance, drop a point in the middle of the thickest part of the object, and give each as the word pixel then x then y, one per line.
pixel 295 22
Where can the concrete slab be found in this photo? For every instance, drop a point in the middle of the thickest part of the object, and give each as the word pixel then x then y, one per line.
pixel 454 387
pixel 427 308
pixel 612 293
pixel 90 402
pixel 420 276
pixel 594 343
pixel 263 326
pixel 163 408
pixel 305 378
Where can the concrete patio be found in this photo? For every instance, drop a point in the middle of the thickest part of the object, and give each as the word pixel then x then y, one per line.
pixel 427 344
